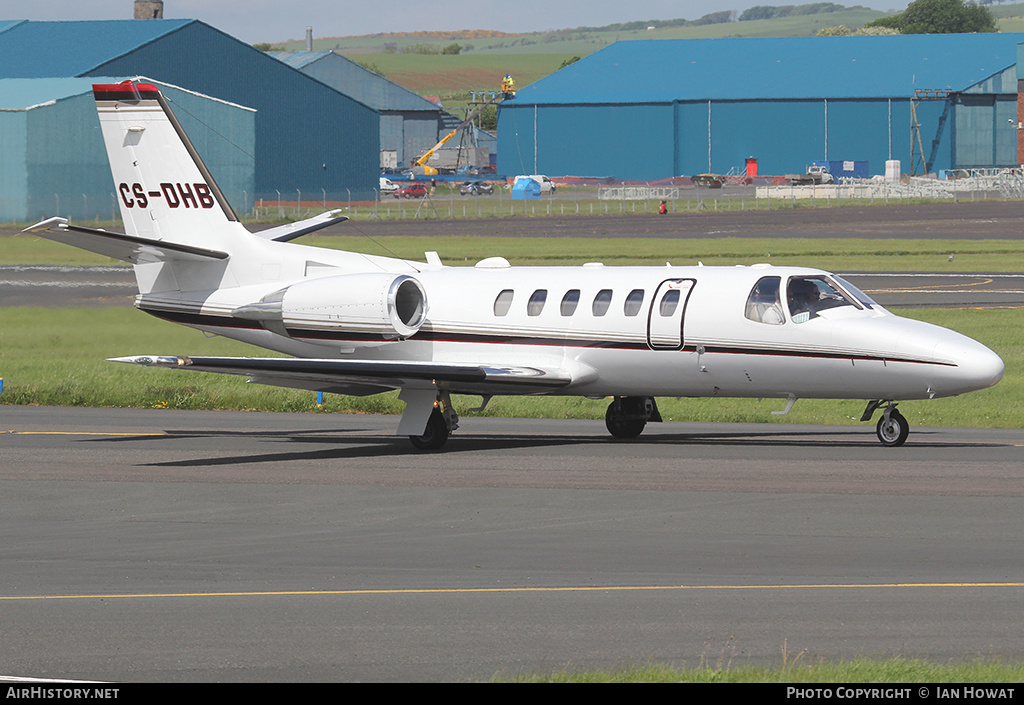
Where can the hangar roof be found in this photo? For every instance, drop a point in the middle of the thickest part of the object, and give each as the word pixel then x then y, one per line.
pixel 293 142
pixel 299 59
pixel 667 70
pixel 351 78
pixel 17 94
pixel 29 93
pixel 73 48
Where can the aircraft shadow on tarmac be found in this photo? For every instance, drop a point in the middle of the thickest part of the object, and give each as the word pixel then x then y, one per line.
pixel 368 443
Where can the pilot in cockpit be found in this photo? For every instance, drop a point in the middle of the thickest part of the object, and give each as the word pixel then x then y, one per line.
pixel 803 296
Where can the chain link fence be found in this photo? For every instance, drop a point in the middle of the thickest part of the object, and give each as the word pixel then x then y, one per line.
pixel 446 201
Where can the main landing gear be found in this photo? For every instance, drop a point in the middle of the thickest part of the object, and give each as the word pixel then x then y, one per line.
pixel 627 416
pixel 443 420
pixel 892 428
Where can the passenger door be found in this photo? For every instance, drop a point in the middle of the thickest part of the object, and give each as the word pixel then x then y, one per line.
pixel 665 318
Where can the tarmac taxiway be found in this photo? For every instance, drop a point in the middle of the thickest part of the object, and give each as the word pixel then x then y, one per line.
pixel 158 545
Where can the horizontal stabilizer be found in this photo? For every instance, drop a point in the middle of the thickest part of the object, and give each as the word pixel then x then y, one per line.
pixel 127 248
pixel 284 233
pixel 329 375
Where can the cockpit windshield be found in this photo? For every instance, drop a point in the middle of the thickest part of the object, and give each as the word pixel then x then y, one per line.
pixel 808 296
pixel 856 293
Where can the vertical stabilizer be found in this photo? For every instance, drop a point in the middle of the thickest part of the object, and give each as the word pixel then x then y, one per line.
pixel 163 188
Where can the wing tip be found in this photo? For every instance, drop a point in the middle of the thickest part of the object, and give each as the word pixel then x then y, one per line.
pixel 48 224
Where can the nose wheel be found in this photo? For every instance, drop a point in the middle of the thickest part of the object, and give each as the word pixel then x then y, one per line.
pixel 892 428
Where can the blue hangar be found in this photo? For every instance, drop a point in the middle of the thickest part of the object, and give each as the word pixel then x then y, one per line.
pixel 306 139
pixel 653 109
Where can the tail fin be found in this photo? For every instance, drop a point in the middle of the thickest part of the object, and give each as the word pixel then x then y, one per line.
pixel 164 190
pixel 180 231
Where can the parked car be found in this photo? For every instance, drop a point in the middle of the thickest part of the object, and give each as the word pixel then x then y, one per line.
pixel 476 188
pixel 387 187
pixel 546 186
pixel 412 190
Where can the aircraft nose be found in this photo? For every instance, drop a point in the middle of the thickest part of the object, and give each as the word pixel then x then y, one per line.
pixel 977 366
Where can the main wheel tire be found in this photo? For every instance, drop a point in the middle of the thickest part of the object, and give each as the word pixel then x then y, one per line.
pixel 435 435
pixel 893 432
pixel 622 428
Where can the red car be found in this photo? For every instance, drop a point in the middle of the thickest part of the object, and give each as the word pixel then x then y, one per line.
pixel 411 191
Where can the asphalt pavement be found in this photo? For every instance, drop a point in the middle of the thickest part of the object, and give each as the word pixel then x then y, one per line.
pixel 157 545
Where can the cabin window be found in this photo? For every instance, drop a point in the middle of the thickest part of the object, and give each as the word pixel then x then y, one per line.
pixel 809 296
pixel 570 301
pixel 668 304
pixel 764 304
pixel 633 302
pixel 536 303
pixel 602 301
pixel 503 303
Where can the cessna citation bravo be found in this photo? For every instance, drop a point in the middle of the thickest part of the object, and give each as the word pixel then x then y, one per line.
pixel 360 324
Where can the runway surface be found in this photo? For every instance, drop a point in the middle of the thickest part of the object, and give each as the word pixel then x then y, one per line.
pixel 202 546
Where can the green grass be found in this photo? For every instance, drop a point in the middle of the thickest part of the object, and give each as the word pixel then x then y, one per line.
pixel 1007 10
pixel 34 250
pixel 584 201
pixel 860 670
pixel 1011 24
pixel 532 56
pixel 833 254
pixel 582 40
pixel 58 357
pixel 432 74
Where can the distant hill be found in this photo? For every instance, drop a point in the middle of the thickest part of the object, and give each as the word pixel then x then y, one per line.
pixel 1009 18
pixel 589 39
pixel 415 60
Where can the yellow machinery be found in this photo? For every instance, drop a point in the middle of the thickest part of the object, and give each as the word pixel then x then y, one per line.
pixel 420 167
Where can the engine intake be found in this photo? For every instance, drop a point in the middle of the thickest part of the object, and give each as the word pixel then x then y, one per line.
pixel 389 305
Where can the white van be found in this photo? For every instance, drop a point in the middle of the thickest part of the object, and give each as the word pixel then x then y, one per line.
pixel 387 187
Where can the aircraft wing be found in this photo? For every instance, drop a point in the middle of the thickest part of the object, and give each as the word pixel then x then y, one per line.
pixel 127 248
pixel 364 377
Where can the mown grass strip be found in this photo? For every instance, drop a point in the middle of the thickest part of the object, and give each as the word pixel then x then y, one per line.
pixel 800 669
pixel 58 357
pixel 834 254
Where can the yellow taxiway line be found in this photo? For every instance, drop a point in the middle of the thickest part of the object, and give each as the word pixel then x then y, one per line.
pixel 458 591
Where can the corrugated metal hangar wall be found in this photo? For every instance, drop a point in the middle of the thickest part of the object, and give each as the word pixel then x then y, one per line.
pixel 408 122
pixel 310 140
pixel 654 109
pixel 54 161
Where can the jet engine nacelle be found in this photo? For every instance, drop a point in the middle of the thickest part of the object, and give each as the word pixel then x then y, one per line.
pixel 388 305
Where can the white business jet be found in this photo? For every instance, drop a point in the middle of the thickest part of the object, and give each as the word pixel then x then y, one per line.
pixel 360 324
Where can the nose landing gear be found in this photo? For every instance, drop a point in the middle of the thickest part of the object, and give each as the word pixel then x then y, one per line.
pixel 892 428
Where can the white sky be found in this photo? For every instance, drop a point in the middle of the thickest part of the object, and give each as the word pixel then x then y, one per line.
pixel 277 20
